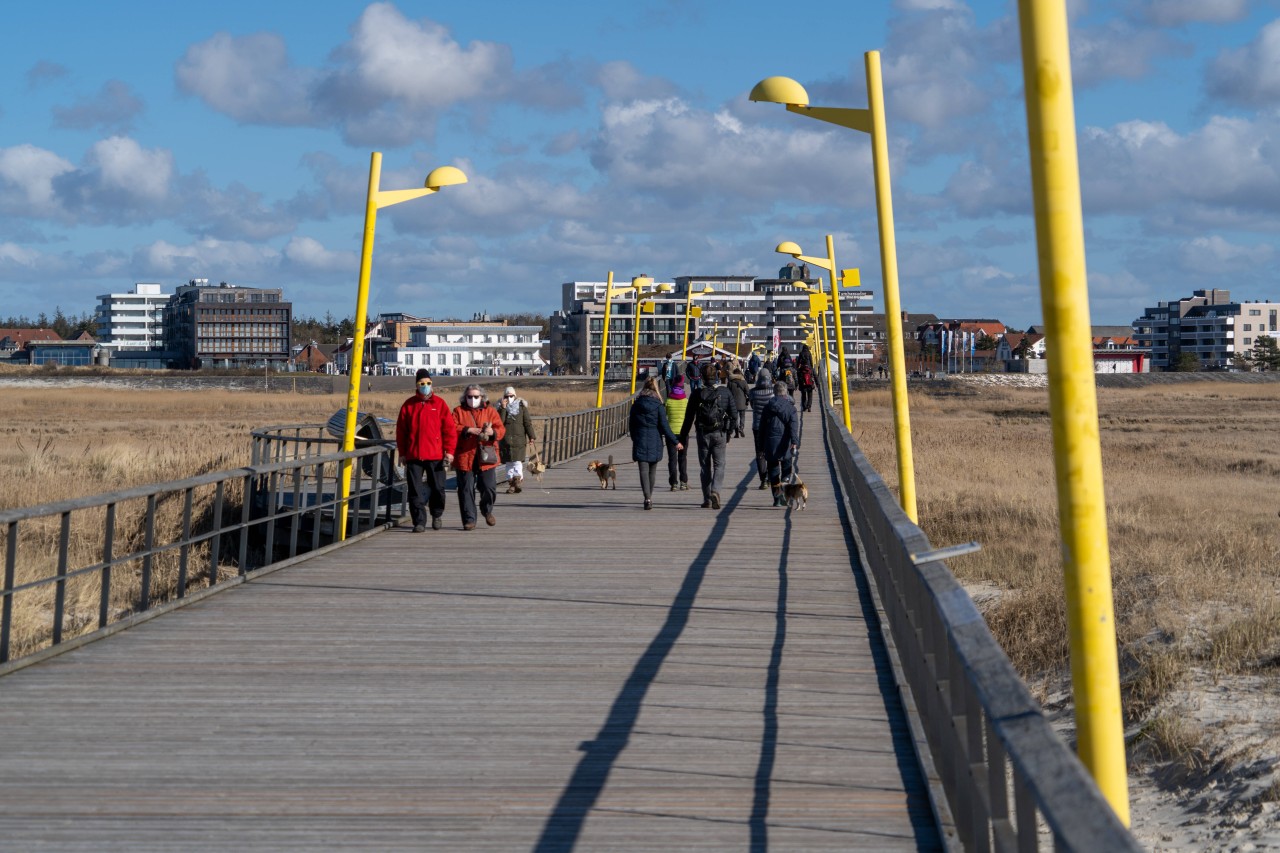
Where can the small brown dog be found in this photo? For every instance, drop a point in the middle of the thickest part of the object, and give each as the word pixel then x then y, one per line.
pixel 796 493
pixel 607 473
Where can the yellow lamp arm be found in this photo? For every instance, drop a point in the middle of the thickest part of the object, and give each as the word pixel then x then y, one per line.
pixel 386 198
pixel 824 263
pixel 851 118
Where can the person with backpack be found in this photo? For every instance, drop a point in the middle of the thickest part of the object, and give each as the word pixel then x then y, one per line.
pixel 807 383
pixel 761 394
pixel 779 439
pixel 712 410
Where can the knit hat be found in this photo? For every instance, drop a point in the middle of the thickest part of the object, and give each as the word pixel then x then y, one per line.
pixel 509 391
pixel 677 391
pixel 422 373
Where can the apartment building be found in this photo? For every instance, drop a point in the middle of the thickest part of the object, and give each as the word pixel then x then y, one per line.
pixel 133 320
pixel 228 325
pixel 1208 324
pixel 456 348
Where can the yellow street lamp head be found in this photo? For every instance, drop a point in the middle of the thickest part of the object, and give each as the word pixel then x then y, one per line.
pixel 665 287
pixel 780 90
pixel 640 281
pixel 445 176
pixel 786 247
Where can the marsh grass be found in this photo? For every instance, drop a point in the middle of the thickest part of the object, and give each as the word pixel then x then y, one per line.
pixel 1189 473
pixel 63 443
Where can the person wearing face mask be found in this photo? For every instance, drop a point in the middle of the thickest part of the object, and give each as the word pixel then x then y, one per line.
pixel 426 438
pixel 479 426
pixel 514 447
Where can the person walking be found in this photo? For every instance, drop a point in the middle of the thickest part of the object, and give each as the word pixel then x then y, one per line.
pixel 807 384
pixel 479 431
pixel 760 396
pixel 426 437
pixel 514 446
pixel 738 388
pixel 779 438
pixel 712 411
pixel 648 426
pixel 677 406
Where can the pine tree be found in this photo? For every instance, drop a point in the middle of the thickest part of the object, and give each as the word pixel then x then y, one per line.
pixel 1266 353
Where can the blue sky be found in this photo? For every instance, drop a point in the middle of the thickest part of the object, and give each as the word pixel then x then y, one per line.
pixel 154 141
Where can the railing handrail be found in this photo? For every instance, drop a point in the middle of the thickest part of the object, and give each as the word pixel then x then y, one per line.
pixel 212 478
pixel 977 712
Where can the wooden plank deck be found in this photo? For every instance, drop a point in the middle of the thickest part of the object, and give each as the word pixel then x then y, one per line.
pixel 583 676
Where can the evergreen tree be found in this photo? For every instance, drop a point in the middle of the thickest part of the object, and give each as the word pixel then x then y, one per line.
pixel 1187 362
pixel 986 342
pixel 1266 353
pixel 61 327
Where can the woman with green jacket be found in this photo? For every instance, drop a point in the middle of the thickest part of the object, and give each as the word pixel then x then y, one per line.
pixel 677 460
pixel 515 444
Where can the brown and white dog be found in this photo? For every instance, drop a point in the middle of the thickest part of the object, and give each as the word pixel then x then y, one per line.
pixel 796 493
pixel 607 473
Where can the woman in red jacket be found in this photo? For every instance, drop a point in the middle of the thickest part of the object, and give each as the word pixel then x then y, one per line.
pixel 479 426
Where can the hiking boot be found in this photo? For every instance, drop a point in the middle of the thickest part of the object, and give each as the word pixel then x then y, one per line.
pixel 706 504
pixel 470 525
pixel 648 504
pixel 436 523
pixel 674 487
pixel 489 519
pixel 764 484
pixel 715 500
pixel 684 487
pixel 517 486
pixel 419 528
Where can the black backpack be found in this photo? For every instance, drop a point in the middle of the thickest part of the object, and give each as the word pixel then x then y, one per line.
pixel 713 414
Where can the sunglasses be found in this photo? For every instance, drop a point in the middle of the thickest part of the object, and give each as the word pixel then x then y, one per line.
pixel 473 397
pixel 424 384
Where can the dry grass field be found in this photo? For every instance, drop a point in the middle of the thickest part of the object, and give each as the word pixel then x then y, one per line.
pixel 1191 475
pixel 59 443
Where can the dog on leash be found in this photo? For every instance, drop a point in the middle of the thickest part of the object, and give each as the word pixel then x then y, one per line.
pixel 797 495
pixel 607 473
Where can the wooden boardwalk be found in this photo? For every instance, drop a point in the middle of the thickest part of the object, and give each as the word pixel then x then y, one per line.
pixel 583 676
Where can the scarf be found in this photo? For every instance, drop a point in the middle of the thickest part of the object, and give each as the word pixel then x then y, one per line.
pixel 513 407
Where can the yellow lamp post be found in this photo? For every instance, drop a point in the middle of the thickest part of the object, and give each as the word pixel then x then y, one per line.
pixel 1073 405
pixel 688 312
pixel 737 336
pixel 639 285
pixel 440 177
pixel 819 304
pixel 829 263
pixel 782 90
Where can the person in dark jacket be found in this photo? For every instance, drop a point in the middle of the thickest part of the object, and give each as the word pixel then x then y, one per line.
pixel 759 397
pixel 779 438
pixel 426 437
pixel 514 446
pixel 713 438
pixel 648 426
pixel 738 388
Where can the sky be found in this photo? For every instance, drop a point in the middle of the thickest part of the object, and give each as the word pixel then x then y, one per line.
pixel 152 141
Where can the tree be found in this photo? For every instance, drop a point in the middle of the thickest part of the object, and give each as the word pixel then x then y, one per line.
pixel 60 326
pixel 1023 349
pixel 1187 362
pixel 1266 353
pixel 986 342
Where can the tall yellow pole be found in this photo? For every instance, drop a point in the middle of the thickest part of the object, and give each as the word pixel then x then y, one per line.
pixel 635 342
pixel 826 353
pixel 688 304
pixel 357 343
pixel 604 340
pixel 840 360
pixel 1073 407
pixel 889 271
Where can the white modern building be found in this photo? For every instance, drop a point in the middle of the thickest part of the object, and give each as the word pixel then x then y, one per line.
pixel 1208 325
pixel 465 349
pixel 132 321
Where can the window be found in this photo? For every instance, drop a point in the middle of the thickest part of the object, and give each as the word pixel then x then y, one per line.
pixel 440 358
pixel 1248 327
pixel 1248 341
pixel 1255 312
pixel 457 358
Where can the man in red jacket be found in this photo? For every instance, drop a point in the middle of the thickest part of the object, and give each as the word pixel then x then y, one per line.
pixel 426 436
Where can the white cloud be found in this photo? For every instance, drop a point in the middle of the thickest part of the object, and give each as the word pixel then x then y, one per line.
pixel 1214 255
pixel 27 174
pixel 248 78
pixel 1117 49
pixel 232 260
pixel 387 85
pixel 113 109
pixel 1174 13
pixel 310 254
pixel 1250 75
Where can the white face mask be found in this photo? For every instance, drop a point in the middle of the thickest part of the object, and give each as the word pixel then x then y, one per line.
pixel 474 402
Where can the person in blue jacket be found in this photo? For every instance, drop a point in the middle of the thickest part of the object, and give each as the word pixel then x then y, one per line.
pixel 779 438
pixel 649 430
